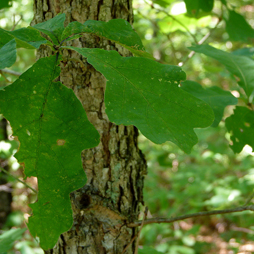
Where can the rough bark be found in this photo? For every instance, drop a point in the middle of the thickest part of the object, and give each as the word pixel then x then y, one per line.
pixel 116 167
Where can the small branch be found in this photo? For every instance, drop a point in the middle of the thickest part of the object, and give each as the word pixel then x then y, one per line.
pixel 5 78
pixel 176 20
pixel 8 173
pixel 142 224
pixel 239 229
pixel 16 23
pixel 188 216
pixel 14 73
pixel 137 235
pixel 201 42
pixel 249 199
pixel 165 34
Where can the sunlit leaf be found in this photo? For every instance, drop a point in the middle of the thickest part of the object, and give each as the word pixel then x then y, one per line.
pixel 52 27
pixel 117 30
pixel 8 54
pixel 145 93
pixel 237 27
pixel 217 98
pixel 240 66
pixel 52 129
pixel 240 125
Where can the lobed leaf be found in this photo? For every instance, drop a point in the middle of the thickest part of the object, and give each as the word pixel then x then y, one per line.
pixel 8 54
pixel 52 27
pixel 240 125
pixel 217 98
pixel 145 93
pixel 240 66
pixel 53 129
pixel 117 30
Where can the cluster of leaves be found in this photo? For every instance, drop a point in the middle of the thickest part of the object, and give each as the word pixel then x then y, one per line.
pixel 238 63
pixel 44 121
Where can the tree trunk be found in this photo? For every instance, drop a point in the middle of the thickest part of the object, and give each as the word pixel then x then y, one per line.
pixel 116 167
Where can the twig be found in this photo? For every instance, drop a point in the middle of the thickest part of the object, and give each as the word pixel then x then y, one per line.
pixel 136 235
pixel 165 34
pixel 5 78
pixel 8 173
pixel 201 42
pixel 188 216
pixel 16 23
pixel 239 229
pixel 142 224
pixel 249 199
pixel 172 47
pixel 14 73
pixel 175 19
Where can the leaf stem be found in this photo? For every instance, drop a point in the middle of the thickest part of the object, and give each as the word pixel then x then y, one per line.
pixel 188 216
pixel 28 186
pixel 5 78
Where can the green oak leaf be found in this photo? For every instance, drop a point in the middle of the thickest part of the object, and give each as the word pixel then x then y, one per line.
pixel 53 129
pixel 117 30
pixel 194 6
pixel 240 125
pixel 25 38
pixel 217 98
pixel 8 238
pixel 237 27
pixel 52 27
pixel 8 54
pixel 240 66
pixel 145 93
